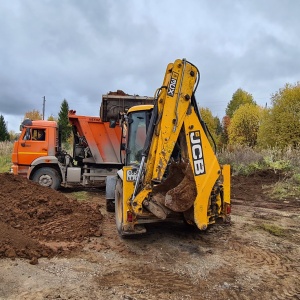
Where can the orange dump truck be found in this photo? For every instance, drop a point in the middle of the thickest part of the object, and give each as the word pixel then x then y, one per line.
pixel 96 149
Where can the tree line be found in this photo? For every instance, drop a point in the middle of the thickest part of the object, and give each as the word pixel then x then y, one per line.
pixel 248 124
pixel 245 122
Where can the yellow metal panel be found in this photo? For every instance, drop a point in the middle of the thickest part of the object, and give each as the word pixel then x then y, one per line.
pixel 226 183
pixel 138 201
pixel 128 187
pixel 140 107
pixel 205 167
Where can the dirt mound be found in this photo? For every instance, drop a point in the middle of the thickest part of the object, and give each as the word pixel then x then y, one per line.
pixel 256 190
pixel 118 92
pixel 40 222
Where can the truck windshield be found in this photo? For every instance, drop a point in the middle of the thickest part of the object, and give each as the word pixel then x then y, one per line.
pixel 137 127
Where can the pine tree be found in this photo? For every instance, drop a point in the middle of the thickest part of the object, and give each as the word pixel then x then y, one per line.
pixel 63 121
pixel 4 135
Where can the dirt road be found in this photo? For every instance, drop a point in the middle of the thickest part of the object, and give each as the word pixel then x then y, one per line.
pixel 256 257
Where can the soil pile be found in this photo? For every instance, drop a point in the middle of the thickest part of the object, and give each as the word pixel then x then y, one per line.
pixel 39 222
pixel 255 189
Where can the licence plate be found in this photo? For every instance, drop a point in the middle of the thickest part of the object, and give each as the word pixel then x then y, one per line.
pixel 131 175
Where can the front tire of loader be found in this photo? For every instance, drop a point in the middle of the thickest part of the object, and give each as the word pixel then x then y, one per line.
pixel 119 207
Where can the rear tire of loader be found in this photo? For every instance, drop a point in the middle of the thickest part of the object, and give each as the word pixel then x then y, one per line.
pixel 119 206
pixel 47 177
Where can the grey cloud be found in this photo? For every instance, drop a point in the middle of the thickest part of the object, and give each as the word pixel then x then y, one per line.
pixel 78 50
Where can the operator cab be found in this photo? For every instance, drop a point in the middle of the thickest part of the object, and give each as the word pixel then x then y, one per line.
pixel 136 124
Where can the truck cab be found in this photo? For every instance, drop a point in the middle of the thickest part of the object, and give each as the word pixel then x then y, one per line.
pixel 36 150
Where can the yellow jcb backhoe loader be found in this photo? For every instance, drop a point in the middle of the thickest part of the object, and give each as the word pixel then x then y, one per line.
pixel 170 171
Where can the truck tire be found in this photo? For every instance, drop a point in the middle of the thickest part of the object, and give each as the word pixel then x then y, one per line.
pixel 119 207
pixel 110 205
pixel 47 177
pixel 110 187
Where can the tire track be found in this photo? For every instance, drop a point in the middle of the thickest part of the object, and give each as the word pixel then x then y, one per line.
pixel 275 272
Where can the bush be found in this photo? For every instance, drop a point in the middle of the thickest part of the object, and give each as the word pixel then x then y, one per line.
pixel 243 160
pixel 246 160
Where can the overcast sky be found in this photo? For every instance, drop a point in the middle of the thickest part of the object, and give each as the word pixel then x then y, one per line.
pixel 80 49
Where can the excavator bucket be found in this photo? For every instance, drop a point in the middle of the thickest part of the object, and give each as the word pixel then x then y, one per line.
pixel 178 191
pixel 182 197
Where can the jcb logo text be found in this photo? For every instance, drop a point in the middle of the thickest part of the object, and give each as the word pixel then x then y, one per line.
pixel 197 153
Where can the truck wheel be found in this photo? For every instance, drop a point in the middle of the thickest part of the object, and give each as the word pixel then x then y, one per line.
pixel 48 177
pixel 110 205
pixel 119 207
pixel 110 189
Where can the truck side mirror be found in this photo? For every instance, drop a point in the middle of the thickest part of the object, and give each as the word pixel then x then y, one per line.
pixel 27 134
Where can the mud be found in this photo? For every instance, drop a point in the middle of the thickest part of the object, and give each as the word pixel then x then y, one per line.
pixel 257 256
pixel 39 222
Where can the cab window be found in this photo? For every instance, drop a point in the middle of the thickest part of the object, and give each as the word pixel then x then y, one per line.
pixel 35 134
pixel 38 134
pixel 136 137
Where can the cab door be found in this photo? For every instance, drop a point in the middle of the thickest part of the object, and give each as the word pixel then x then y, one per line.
pixel 32 144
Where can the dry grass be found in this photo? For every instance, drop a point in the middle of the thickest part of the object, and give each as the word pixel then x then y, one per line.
pixel 6 148
pixel 247 160
pixel 243 160
pixel 5 156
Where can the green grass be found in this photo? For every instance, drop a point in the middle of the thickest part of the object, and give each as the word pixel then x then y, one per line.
pixel 5 163
pixel 285 189
pixel 273 229
pixel 80 196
